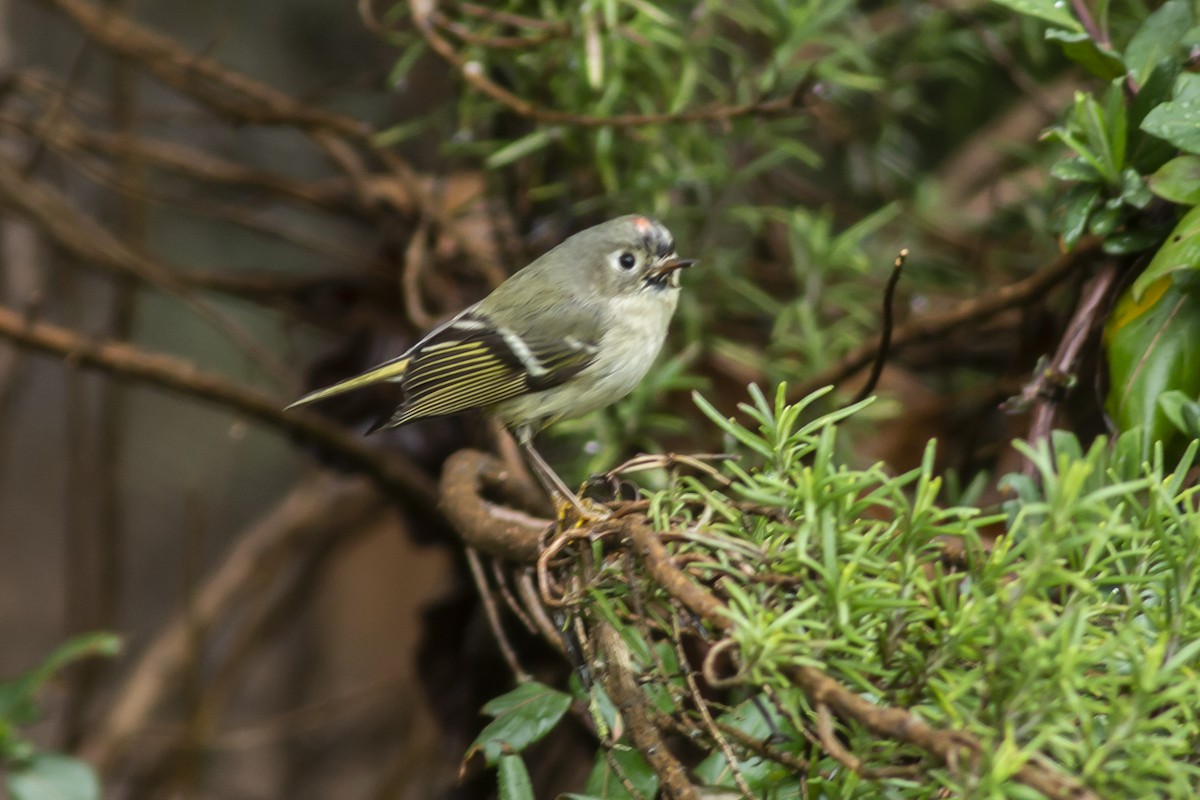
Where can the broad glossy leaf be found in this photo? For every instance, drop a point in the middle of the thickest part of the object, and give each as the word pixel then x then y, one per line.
pixel 1052 11
pixel 1147 151
pixel 1078 207
pixel 1178 120
pixel 603 783
pixel 1105 221
pixel 1181 251
pixel 1134 190
pixel 1158 38
pixel 522 717
pixel 513 779
pixel 1075 169
pixel 1083 50
pixel 1090 135
pixel 1151 348
pixel 1178 180
pixel 50 776
pixel 1127 242
pixel 1182 411
pixel 759 773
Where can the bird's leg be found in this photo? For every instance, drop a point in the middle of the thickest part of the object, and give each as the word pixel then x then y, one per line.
pixel 549 478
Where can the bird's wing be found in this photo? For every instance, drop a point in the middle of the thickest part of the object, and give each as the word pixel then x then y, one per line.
pixel 471 363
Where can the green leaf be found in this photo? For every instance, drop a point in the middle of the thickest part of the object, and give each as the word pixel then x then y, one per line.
pixel 1050 11
pixel 759 773
pixel 1182 411
pixel 1150 345
pixel 1149 152
pixel 1075 169
pixel 1178 121
pixel 50 776
pixel 513 779
pixel 603 783
pixel 1155 91
pixel 1181 251
pixel 1127 242
pixel 1105 221
pixel 522 717
pixel 16 695
pixel 525 146
pixel 1083 50
pixel 1134 190
pixel 1178 180
pixel 1079 205
pixel 1097 134
pixel 1158 38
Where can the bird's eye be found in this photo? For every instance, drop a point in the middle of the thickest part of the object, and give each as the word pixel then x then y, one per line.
pixel 627 261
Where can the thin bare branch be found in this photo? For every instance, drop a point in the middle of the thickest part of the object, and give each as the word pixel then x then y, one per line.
pixel 396 477
pixel 83 237
pixel 424 17
pixel 934 326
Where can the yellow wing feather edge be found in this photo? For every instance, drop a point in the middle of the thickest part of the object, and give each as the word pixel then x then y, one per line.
pixel 388 371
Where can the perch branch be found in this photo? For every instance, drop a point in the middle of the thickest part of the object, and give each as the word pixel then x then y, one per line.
pixel 494 529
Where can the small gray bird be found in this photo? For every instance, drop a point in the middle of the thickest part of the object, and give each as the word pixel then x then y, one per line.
pixel 571 333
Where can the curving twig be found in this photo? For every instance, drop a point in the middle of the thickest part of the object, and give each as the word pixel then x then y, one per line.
pixel 496 530
pixel 933 326
pixel 71 229
pixel 424 15
pixel 885 334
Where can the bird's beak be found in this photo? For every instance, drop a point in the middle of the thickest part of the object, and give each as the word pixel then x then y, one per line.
pixel 670 264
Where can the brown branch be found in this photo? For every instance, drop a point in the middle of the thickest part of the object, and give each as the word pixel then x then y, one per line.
pixel 396 477
pixel 934 326
pixel 635 711
pixel 885 334
pixel 319 508
pixel 332 194
pixel 494 529
pixel 493 617
pixel 197 76
pixel 83 237
pixel 1049 387
pixel 234 96
pixel 821 689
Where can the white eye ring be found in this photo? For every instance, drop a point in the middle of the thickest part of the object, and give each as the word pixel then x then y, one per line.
pixel 626 261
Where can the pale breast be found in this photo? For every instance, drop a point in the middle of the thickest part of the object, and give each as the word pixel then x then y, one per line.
pixel 626 352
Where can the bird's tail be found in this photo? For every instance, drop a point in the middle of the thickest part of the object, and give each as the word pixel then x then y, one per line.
pixel 388 371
